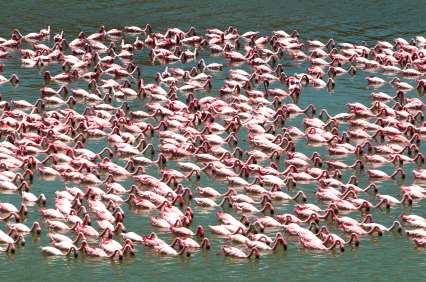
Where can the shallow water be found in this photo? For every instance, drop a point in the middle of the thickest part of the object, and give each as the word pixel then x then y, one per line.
pixel 389 258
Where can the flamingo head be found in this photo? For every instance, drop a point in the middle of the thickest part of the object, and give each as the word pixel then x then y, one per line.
pixel 200 231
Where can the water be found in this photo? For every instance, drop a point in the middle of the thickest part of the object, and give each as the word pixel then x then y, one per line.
pixel 390 258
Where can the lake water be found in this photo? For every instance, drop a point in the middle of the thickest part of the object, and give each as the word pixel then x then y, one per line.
pixel 389 258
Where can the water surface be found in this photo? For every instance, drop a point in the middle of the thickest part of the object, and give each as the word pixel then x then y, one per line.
pixel 390 258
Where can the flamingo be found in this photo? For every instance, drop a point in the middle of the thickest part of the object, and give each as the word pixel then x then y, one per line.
pixel 52 251
pixel 191 244
pixel 259 245
pixel 381 227
pixel 237 253
pixel 378 174
pixel 333 237
pixel 98 252
pixel 166 250
pixel 22 228
pixel 318 245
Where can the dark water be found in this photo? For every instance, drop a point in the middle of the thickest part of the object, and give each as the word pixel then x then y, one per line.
pixel 390 258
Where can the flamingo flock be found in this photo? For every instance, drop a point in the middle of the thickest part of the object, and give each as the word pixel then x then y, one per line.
pixel 234 125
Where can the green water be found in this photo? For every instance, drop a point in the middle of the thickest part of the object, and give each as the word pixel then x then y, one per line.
pixel 389 258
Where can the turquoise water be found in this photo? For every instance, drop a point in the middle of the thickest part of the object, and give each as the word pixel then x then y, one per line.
pixel 389 258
